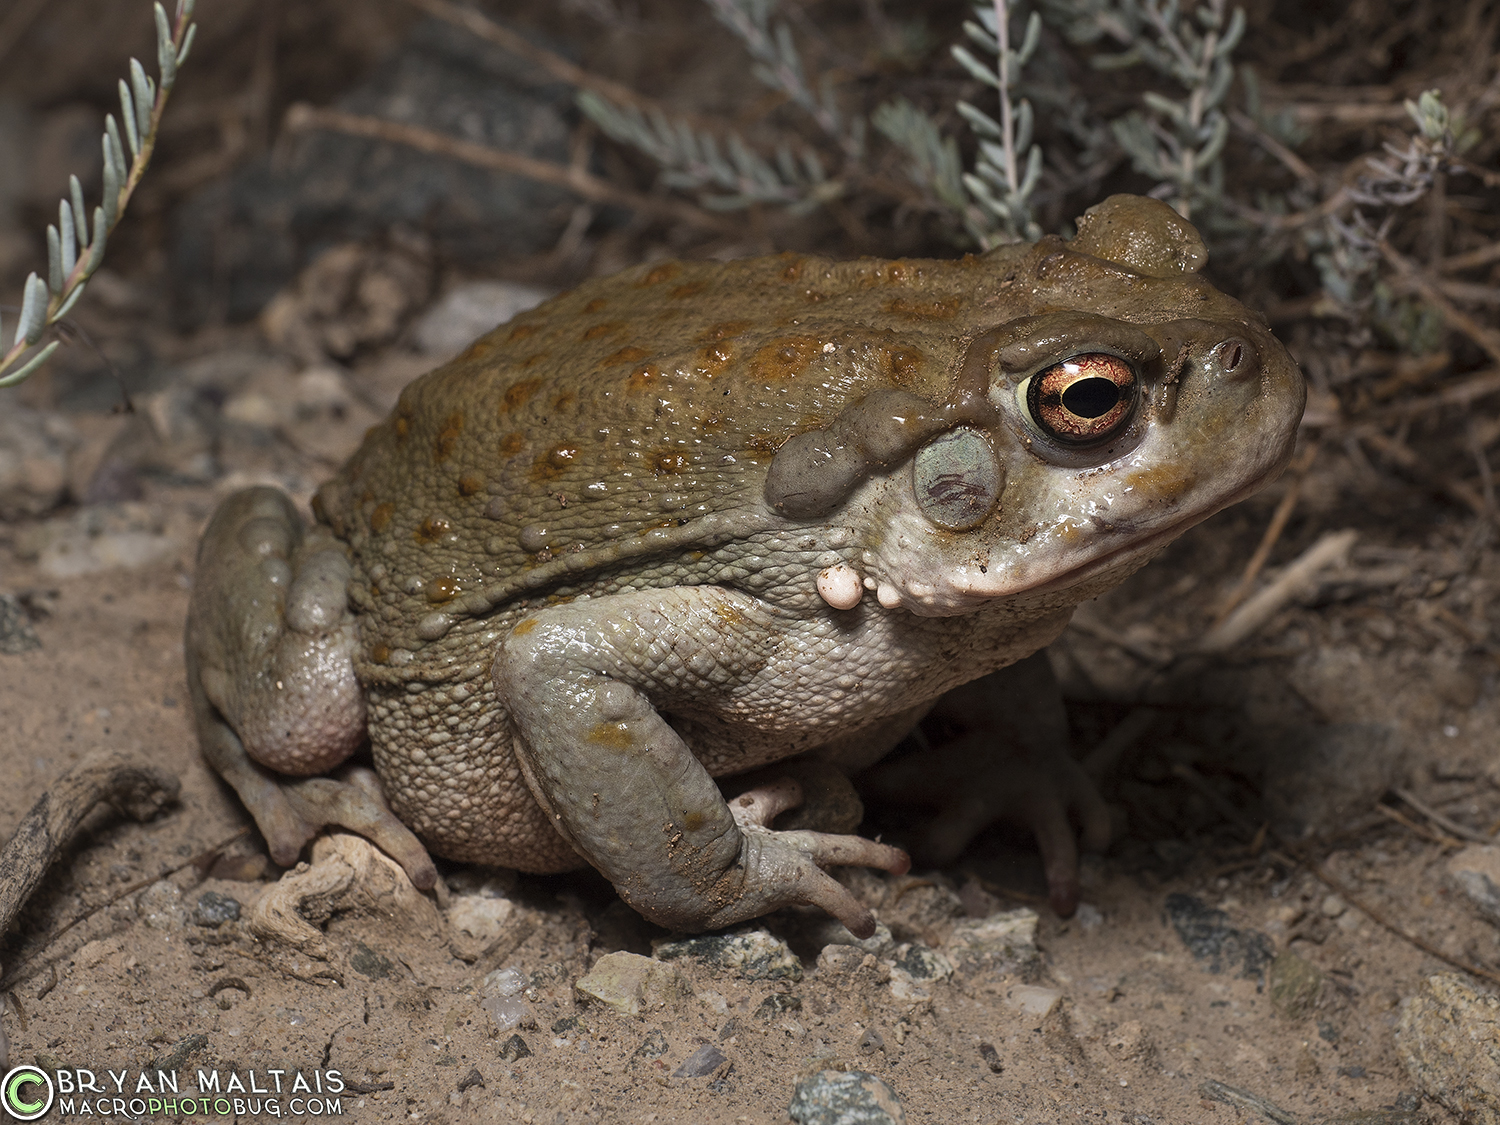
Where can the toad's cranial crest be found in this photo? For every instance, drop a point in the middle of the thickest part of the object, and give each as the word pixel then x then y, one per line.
pixel 622 547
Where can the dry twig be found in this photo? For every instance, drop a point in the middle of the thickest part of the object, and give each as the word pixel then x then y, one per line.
pixel 302 117
pixel 1272 534
pixel 1330 549
pixel 1420 830
pixel 1448 825
pixel 139 791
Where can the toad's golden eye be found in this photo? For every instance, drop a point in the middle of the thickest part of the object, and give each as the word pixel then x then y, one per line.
pixel 1084 399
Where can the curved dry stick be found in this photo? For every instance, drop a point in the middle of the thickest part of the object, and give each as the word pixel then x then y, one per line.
pixel 137 790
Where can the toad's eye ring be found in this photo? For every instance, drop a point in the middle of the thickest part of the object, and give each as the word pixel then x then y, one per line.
pixel 1082 400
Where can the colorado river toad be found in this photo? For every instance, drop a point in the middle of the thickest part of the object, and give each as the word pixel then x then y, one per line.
pixel 698 518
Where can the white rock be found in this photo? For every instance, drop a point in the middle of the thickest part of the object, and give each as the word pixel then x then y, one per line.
pixel 1033 999
pixel 468 312
pixel 1475 872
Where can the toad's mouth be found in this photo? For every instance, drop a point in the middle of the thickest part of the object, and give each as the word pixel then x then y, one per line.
pixel 1117 546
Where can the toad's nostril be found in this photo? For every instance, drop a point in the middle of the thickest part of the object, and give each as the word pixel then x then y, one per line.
pixel 1236 360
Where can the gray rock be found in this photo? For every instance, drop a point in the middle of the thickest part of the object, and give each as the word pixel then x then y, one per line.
pixel 514 1049
pixel 1209 937
pixel 777 1004
pixel 464 314
pixel 1317 776
pixel 371 963
pixel 214 909
pixel 920 963
pixel 473 1078
pixel 1449 1038
pixel 654 1046
pixel 1475 873
pixel 705 1060
pixel 254 231
pixel 854 1097
pixel 34 449
pixel 749 954
pixel 1003 941
pixel 16 634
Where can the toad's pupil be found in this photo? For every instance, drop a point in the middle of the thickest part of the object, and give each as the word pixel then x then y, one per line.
pixel 1091 398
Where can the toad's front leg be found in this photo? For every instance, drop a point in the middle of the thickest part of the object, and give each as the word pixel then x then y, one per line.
pixel 583 682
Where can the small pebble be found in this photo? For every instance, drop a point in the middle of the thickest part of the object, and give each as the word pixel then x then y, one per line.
pixel 991 1057
pixel 214 909
pixel 514 1049
pixel 473 1078
pixel 1295 985
pixel 750 954
pixel 777 1004
pixel 16 634
pixel 654 1046
pixel 705 1060
pixel 1033 999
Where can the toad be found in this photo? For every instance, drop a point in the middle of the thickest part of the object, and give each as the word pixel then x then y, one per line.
pixel 705 520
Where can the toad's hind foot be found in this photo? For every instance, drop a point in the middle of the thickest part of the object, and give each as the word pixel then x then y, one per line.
pixel 788 867
pixel 289 813
pixel 270 643
pixel 353 800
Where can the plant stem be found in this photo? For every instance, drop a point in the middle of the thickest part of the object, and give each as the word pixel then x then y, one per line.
pixel 1008 137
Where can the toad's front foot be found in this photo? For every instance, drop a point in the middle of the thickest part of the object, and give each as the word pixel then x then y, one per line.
pixel 787 867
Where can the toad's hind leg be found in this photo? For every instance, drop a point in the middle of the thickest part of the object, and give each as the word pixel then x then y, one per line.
pixel 270 647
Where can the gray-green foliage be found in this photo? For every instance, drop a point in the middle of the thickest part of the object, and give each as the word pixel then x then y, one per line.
pixel 994 200
pixel 997 185
pixel 779 66
pixel 1177 141
pixel 727 178
pixel 1346 250
pixel 73 253
pixel 730 175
